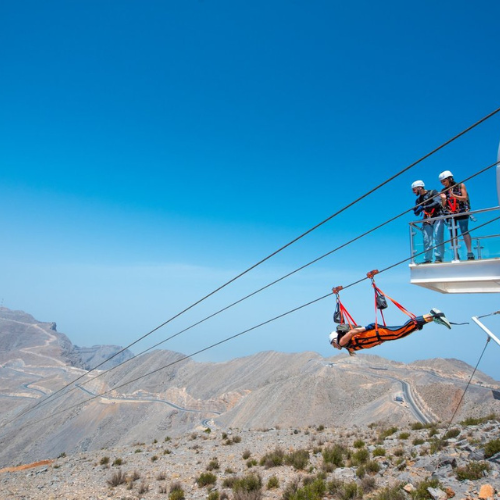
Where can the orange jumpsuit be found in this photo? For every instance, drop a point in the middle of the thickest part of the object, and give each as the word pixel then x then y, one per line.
pixel 372 336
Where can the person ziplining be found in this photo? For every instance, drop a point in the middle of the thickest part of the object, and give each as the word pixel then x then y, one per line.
pixel 354 338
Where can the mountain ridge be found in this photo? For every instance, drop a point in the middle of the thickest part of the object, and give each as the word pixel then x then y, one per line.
pixel 165 391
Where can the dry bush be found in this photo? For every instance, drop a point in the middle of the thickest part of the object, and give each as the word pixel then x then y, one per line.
pixel 117 478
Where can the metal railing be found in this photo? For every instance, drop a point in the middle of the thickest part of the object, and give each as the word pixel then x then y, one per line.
pixel 484 243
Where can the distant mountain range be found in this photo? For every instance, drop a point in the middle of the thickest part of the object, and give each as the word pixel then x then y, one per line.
pixel 133 399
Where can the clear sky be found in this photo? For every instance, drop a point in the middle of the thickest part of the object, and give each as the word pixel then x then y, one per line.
pixel 151 151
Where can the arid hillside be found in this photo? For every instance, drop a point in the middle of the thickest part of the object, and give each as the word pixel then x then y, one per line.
pixel 51 405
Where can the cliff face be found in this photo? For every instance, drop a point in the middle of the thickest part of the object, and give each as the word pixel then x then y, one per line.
pixel 37 343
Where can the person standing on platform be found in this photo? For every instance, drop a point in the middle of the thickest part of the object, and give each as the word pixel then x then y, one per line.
pixel 430 205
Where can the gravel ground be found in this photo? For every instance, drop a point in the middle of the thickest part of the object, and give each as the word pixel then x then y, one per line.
pixel 151 469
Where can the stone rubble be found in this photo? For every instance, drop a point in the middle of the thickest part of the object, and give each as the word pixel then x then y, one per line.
pixel 408 459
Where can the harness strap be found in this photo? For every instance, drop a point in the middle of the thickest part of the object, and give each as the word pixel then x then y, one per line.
pixel 397 304
pixel 428 215
pixel 453 204
pixel 344 314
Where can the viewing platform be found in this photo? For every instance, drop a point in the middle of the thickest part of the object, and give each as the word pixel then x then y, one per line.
pixel 456 274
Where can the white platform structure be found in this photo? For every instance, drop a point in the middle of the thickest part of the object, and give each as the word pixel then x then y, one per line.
pixel 462 276
pixel 475 276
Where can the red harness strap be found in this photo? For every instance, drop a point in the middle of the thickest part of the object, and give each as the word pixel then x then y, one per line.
pixel 344 314
pixel 381 293
pixel 453 204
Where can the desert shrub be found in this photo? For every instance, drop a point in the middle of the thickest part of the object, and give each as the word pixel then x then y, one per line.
pixel 134 476
pixel 437 445
pixel 237 439
pixel 117 478
pixel 418 441
pixel 320 428
pixel 372 467
pixel 361 471
pixel 213 464
pixel 213 495
pixel 350 491
pixel 359 443
pixel 273 459
pixel 390 493
pixel 360 457
pixel 246 454
pixel 472 471
pixel 334 486
pixel 379 452
pixel 138 450
pixel 452 433
pixel 399 452
pixel 432 431
pixel 273 482
pixel 176 492
pixel 313 490
pixel 104 461
pixel 297 459
pixel 421 489
pixel 154 458
pixel 404 435
pixel 117 461
pixel 167 452
pixel 388 432
pixel 334 455
pixel 477 421
pixel 291 489
pixel 176 495
pixel 248 488
pixel 228 482
pixel 368 484
pixel 167 439
pixel 416 426
pixel 205 479
pixel 62 455
pixel 492 448
pixel 143 488
pixel 207 430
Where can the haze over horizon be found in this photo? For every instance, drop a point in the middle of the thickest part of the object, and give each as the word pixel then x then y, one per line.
pixel 153 151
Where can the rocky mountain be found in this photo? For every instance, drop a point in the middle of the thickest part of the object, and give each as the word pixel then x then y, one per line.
pixel 43 413
pixel 37 343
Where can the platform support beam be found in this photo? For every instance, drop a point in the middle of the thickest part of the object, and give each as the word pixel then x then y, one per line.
pixel 485 329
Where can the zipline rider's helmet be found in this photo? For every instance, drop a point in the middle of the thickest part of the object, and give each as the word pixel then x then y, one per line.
pixel 445 175
pixel 333 337
pixel 418 184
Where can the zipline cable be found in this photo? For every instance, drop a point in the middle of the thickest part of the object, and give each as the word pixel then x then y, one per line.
pixel 239 334
pixel 466 387
pixel 60 393
pixel 349 205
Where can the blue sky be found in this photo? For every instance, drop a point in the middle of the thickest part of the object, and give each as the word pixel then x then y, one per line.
pixel 151 151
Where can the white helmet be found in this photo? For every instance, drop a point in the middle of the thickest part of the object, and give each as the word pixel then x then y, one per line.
pixel 418 184
pixel 445 175
pixel 333 337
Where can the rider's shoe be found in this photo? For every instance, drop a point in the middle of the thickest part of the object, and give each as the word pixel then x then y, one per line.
pixel 439 318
